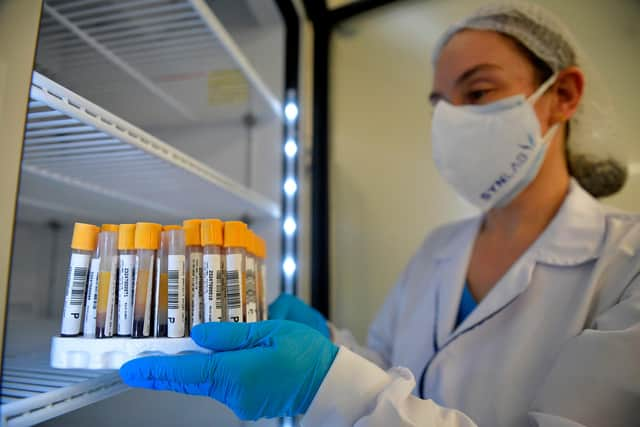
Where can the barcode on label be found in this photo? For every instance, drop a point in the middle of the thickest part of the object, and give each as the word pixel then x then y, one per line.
pixel 173 276
pixel 219 287
pixel 94 295
pixel 210 289
pixel 234 299
pixel 79 277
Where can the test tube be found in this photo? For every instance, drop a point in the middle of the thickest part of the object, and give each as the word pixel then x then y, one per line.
pixel 193 281
pixel 91 305
pixel 235 236
pixel 114 306
pixel 126 277
pixel 160 292
pixel 213 283
pixel 250 294
pixel 146 243
pixel 83 245
pixel 107 248
pixel 175 266
pixel 261 269
pixel 161 285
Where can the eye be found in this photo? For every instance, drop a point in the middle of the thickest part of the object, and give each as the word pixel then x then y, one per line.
pixel 476 96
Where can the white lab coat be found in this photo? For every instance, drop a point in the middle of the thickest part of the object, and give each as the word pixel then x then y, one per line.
pixel 555 343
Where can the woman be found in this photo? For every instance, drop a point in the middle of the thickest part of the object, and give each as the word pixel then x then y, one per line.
pixel 526 315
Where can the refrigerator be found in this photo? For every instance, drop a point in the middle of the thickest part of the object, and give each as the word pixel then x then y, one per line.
pixel 125 111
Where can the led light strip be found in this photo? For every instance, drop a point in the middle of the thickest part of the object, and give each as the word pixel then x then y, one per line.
pixel 290 194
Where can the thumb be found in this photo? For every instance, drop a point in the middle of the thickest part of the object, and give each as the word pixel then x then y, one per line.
pixel 280 307
pixel 229 336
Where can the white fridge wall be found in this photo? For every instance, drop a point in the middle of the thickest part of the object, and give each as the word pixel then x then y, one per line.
pixel 38 274
pixel 225 148
pixel 263 47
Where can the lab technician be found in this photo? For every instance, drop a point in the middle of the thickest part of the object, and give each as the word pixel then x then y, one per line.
pixel 527 315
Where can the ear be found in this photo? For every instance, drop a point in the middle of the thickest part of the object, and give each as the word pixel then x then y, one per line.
pixel 569 88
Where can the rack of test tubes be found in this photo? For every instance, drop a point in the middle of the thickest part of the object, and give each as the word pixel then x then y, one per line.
pixel 138 289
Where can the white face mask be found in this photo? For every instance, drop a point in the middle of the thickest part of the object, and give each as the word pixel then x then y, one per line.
pixel 490 153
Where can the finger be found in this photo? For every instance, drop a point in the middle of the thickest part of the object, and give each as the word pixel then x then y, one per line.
pixel 183 373
pixel 280 307
pixel 228 336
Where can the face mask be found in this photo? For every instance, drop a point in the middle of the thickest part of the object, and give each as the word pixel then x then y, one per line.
pixel 490 153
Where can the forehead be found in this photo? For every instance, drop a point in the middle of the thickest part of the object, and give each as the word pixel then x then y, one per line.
pixel 469 48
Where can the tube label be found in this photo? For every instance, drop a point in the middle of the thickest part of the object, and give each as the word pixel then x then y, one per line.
pixel 263 291
pixel 251 313
pixel 125 294
pixel 234 284
pixel 195 274
pixel 212 274
pixel 221 292
pixel 75 295
pixel 176 314
pixel 92 299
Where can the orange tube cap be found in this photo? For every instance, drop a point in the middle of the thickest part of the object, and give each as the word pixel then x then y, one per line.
pixel 126 237
pixel 235 234
pixel 85 237
pixel 147 235
pixel 212 232
pixel 192 232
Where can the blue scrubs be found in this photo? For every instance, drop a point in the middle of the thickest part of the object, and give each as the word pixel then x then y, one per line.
pixel 467 305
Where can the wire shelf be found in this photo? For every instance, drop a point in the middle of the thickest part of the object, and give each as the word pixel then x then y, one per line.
pixel 33 392
pixel 106 49
pixel 73 142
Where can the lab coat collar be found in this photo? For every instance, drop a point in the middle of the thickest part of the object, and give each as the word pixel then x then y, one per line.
pixel 574 236
pixel 576 233
pixel 450 276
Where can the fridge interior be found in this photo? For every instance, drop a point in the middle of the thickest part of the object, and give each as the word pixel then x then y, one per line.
pixel 145 110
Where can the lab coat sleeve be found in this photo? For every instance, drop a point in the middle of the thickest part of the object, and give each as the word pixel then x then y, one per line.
pixel 595 380
pixel 358 393
pixel 344 337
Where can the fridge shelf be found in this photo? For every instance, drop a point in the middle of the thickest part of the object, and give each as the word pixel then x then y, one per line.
pixel 84 148
pixel 33 392
pixel 124 45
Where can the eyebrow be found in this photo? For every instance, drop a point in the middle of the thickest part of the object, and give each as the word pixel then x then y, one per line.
pixel 468 74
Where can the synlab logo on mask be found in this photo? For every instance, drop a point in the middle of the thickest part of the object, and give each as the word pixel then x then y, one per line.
pixel 520 159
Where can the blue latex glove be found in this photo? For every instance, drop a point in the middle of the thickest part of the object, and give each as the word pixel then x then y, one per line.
pixel 288 307
pixel 265 369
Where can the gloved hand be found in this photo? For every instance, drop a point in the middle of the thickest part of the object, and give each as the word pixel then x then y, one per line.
pixel 265 369
pixel 288 307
